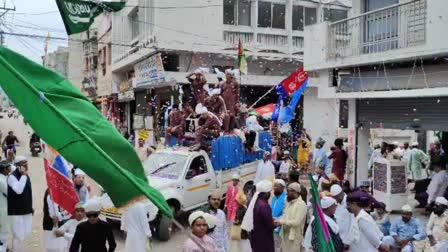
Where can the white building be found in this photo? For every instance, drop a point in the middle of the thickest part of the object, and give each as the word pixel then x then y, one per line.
pixel 200 33
pixel 57 60
pixel 383 67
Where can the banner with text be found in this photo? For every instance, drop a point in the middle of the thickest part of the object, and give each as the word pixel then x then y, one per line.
pixel 149 72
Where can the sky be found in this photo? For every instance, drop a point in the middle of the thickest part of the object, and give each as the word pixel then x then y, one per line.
pixel 33 17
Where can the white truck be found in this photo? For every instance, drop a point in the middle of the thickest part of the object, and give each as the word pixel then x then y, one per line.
pixel 186 178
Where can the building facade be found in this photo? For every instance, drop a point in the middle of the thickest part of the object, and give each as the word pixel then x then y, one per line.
pixel 187 35
pixel 57 61
pixel 383 67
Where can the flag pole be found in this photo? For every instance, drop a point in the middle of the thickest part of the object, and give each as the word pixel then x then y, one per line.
pixel 259 99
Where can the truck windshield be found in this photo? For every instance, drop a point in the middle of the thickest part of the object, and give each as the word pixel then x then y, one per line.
pixel 165 165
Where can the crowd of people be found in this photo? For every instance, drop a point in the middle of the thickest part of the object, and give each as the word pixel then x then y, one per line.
pixel 277 214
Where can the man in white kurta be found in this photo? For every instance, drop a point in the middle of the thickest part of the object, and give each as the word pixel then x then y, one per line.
pixel 135 223
pixel 68 229
pixel 5 169
pixel 348 230
pixel 436 223
pixel 52 242
pixel 369 233
pixel 265 169
pixel 438 184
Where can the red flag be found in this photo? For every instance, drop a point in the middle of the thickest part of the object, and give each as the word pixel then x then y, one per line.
pixel 295 80
pixel 60 185
pixel 266 109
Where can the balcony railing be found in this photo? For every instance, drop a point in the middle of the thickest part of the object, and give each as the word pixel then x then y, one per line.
pixel 394 27
pixel 263 41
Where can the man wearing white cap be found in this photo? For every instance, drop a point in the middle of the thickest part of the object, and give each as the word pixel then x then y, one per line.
pixel 80 188
pixel 293 220
pixel 92 234
pixel 68 229
pixel 258 219
pixel 231 206
pixel 20 203
pixel 265 169
pixel 418 163
pixel 278 203
pixel 405 231
pixel 348 230
pixel 329 206
pixel 199 241
pixel 435 228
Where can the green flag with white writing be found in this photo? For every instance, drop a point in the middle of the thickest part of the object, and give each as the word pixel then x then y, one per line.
pixel 78 15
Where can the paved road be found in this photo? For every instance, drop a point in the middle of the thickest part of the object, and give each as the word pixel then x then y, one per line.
pixel 34 243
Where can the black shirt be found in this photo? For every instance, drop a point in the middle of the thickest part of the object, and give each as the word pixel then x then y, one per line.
pixel 92 237
pixel 11 140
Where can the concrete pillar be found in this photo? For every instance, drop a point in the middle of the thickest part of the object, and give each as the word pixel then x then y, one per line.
pixel 362 154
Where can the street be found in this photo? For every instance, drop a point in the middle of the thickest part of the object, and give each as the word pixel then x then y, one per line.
pixel 35 243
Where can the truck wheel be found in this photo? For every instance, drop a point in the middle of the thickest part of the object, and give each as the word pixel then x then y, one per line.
pixel 164 229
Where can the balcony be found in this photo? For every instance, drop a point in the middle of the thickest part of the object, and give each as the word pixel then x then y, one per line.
pixel 391 28
pixel 263 40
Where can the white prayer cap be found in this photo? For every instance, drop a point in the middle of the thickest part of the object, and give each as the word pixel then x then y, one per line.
pixel 201 70
pixel 406 208
pixel 327 202
pixel 441 201
pixel 229 71
pixel 286 152
pixel 280 181
pixel 79 205
pixel 396 143
pixel 194 216
pixel 248 219
pixel 211 220
pixel 235 177
pixel 92 206
pixel 264 186
pixel 20 159
pixel 79 172
pixel 200 109
pixel 414 144
pixel 294 186
pixel 215 91
pixel 335 190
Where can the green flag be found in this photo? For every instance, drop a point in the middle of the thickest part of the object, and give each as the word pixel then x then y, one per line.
pixel 321 234
pixel 78 15
pixel 62 116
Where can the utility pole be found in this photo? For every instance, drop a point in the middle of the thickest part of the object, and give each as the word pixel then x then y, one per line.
pixel 3 11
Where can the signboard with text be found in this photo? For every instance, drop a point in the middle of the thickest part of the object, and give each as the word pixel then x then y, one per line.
pixel 149 72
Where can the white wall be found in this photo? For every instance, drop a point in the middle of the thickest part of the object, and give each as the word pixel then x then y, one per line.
pixel 320 117
pixel 75 61
pixel 316 42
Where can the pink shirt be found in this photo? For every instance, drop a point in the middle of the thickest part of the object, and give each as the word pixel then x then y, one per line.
pixel 206 242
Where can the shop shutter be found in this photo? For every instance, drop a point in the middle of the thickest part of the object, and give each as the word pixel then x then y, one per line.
pixel 410 113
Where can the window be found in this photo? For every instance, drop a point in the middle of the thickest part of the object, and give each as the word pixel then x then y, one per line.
pixel 297 18
pixel 278 16
pixel 135 24
pixel 264 14
pixel 170 62
pixel 310 16
pixel 197 167
pixel 334 15
pixel 343 114
pixel 271 15
pixel 237 12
